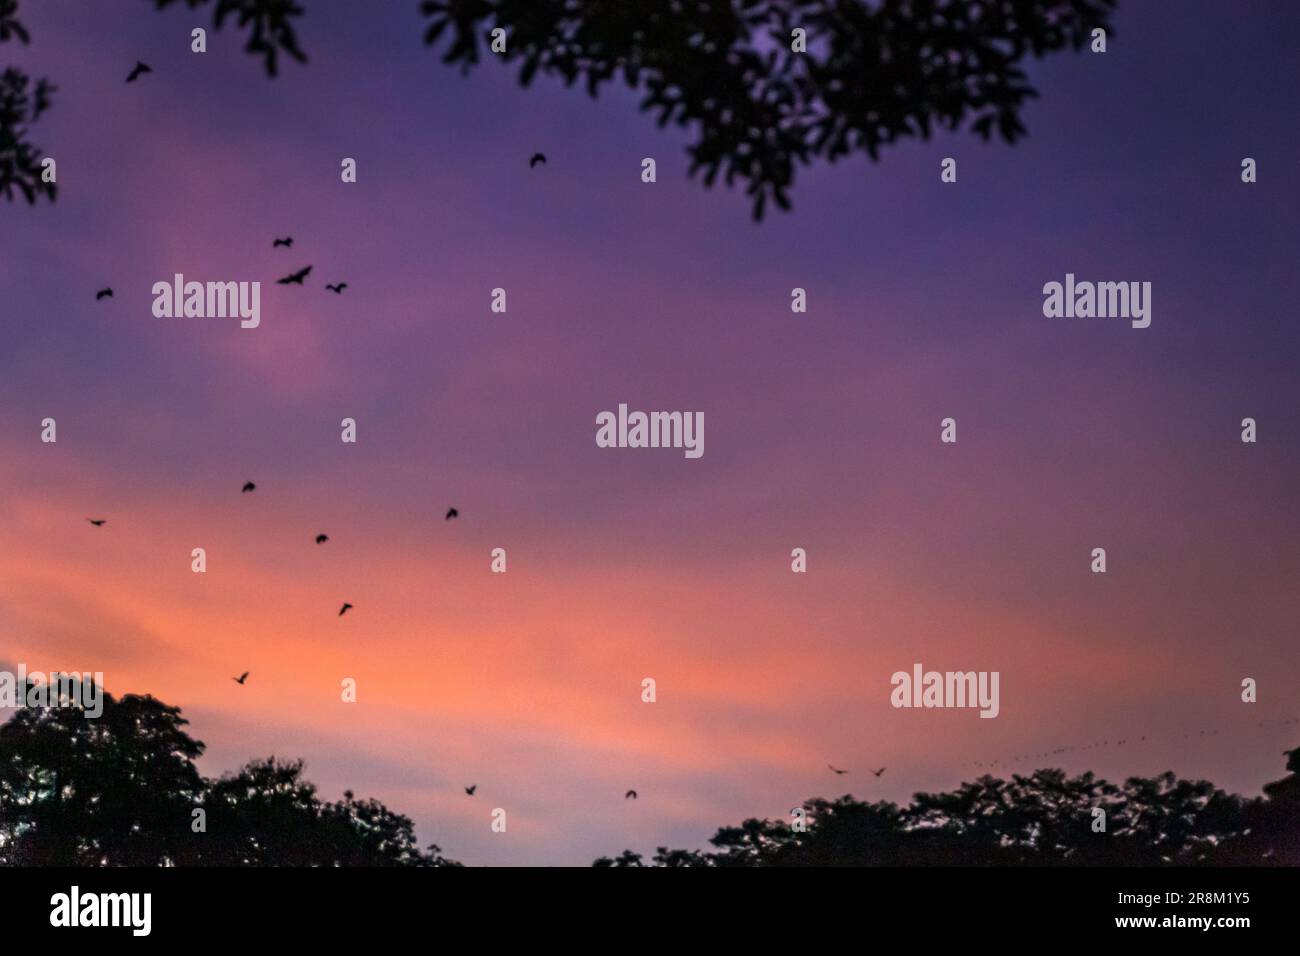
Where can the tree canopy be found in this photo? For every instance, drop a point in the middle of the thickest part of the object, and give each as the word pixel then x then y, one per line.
pixel 123 790
pixel 1044 819
pixel 21 104
pixel 763 85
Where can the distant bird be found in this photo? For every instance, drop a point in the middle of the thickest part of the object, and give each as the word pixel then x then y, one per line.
pixel 97 522
pixel 630 795
pixel 248 486
pixel 241 678
pixel 287 242
pixel 451 513
pixel 103 294
pixel 322 538
pixel 295 277
pixel 135 73
pixel 877 773
pixel 470 790
pixel 836 770
pixel 337 289
pixel 537 158
pixel 344 609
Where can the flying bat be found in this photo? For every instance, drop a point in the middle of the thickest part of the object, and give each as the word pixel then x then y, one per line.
pixel 537 158
pixel 294 278
pixel 836 770
pixel 344 609
pixel 322 538
pixel 287 242
pixel 138 69
pixel 248 486
pixel 337 289
pixel 103 294
pixel 630 795
pixel 97 522
pixel 877 773
pixel 451 513
pixel 241 678
pixel 470 790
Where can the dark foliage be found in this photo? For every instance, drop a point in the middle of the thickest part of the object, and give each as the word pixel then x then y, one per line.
pixel 269 24
pixel 873 72
pixel 1045 819
pixel 121 790
pixel 21 105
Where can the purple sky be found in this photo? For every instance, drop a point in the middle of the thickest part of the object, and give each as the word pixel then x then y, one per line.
pixel 822 429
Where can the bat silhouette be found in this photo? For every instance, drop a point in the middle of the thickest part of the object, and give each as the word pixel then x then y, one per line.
pixel 836 770
pixel 241 678
pixel 322 538
pixel 537 158
pixel 287 242
pixel 877 773
pixel 294 278
pixel 451 513
pixel 97 522
pixel 138 69
pixel 337 289
pixel 344 609
pixel 248 486
pixel 103 294
pixel 630 795
pixel 470 790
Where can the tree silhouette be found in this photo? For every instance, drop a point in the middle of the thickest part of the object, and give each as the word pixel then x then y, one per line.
pixel 269 24
pixel 122 790
pixel 274 818
pixel 868 74
pixel 116 790
pixel 1044 819
pixel 21 104
pixel 1272 836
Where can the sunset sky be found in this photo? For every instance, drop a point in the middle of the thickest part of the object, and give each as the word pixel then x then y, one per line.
pixel 822 429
